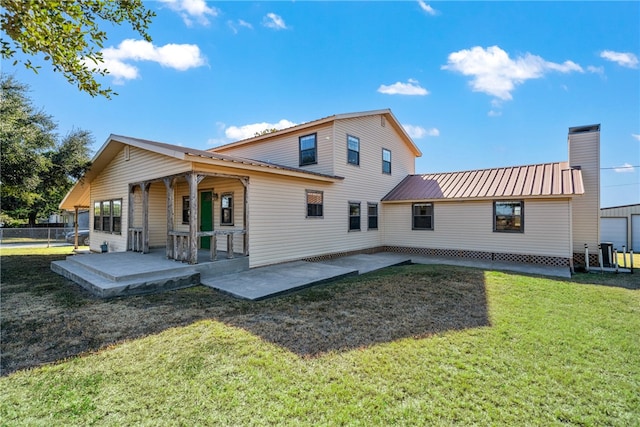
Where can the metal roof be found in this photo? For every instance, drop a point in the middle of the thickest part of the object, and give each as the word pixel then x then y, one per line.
pixel 542 180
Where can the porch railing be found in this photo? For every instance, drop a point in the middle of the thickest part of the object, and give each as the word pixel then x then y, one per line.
pixel 135 239
pixel 179 244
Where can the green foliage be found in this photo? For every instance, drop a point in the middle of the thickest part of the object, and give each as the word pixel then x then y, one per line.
pixel 265 132
pixel 68 34
pixel 36 170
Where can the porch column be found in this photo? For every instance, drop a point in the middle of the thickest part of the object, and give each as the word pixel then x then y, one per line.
pixel 169 184
pixel 130 243
pixel 193 179
pixel 245 237
pixel 75 227
pixel 144 186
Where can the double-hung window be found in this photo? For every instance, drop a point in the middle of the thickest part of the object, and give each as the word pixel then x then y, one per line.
pixel 226 209
pixel 107 216
pixel 354 216
pixel 308 149
pixel 422 216
pixel 508 216
pixel 353 150
pixel 372 216
pixel 386 161
pixel 314 203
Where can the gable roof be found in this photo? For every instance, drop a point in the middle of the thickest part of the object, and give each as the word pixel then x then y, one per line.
pixel 78 194
pixel 329 119
pixel 541 180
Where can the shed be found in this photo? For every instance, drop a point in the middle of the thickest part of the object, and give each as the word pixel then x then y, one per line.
pixel 620 225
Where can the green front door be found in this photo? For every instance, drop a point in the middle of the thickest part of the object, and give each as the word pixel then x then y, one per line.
pixel 206 218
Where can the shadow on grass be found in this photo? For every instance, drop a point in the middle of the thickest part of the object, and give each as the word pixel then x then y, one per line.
pixel 46 318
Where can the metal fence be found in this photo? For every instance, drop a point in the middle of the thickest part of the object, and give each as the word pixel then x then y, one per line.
pixel 34 235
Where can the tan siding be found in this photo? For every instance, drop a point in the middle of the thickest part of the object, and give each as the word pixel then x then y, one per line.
pixel 469 226
pixel 584 151
pixel 114 182
pixel 284 150
pixel 278 228
pixel 366 182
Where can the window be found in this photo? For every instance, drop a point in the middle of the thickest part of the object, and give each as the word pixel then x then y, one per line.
pixel 107 216
pixel 354 216
pixel 314 203
pixel 226 209
pixel 423 216
pixel 386 161
pixel 508 216
pixel 353 150
pixel 308 146
pixel 372 216
pixel 185 209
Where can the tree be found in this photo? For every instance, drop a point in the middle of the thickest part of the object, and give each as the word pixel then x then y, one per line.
pixel 68 34
pixel 36 170
pixel 265 132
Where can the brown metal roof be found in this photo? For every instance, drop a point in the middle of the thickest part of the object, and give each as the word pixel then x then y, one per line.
pixel 543 180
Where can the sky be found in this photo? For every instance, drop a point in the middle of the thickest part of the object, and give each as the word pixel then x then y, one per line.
pixel 475 84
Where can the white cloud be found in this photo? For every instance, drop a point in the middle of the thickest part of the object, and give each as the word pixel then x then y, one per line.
pixel 237 133
pixel 177 56
pixel 417 132
pixel 495 73
pixel 626 168
pixel 624 59
pixel 239 23
pixel 410 88
pixel 494 113
pixel 595 70
pixel 192 9
pixel 636 136
pixel 273 21
pixel 428 9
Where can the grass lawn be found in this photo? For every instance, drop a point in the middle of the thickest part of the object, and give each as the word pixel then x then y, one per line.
pixel 411 345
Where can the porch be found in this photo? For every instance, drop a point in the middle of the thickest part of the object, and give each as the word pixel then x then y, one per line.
pixel 116 274
pixel 181 213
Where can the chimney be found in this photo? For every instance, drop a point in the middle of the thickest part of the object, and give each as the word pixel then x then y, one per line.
pixel 584 154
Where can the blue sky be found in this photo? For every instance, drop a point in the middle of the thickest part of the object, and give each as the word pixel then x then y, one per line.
pixel 476 84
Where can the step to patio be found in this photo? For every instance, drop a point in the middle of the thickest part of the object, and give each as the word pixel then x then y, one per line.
pixel 104 287
pixel 126 266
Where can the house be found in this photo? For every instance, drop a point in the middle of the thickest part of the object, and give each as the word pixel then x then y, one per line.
pixel 339 185
pixel 620 225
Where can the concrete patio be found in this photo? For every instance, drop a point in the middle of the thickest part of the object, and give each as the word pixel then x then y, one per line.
pixel 128 273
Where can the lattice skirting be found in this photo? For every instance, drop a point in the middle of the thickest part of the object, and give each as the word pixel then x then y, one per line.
pixel 327 257
pixel 578 259
pixel 487 256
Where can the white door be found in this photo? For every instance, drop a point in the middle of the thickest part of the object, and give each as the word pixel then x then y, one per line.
pixel 614 230
pixel 635 233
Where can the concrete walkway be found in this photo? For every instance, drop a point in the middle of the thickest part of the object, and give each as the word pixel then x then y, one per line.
pixel 273 280
pixel 127 273
pixel 542 270
pixel 270 281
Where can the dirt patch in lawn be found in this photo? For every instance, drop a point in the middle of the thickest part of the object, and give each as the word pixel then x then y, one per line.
pixel 46 318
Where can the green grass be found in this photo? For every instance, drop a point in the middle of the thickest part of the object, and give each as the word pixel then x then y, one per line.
pixel 622 258
pixel 553 352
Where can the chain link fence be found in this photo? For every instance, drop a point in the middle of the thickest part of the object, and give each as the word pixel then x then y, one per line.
pixel 34 235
